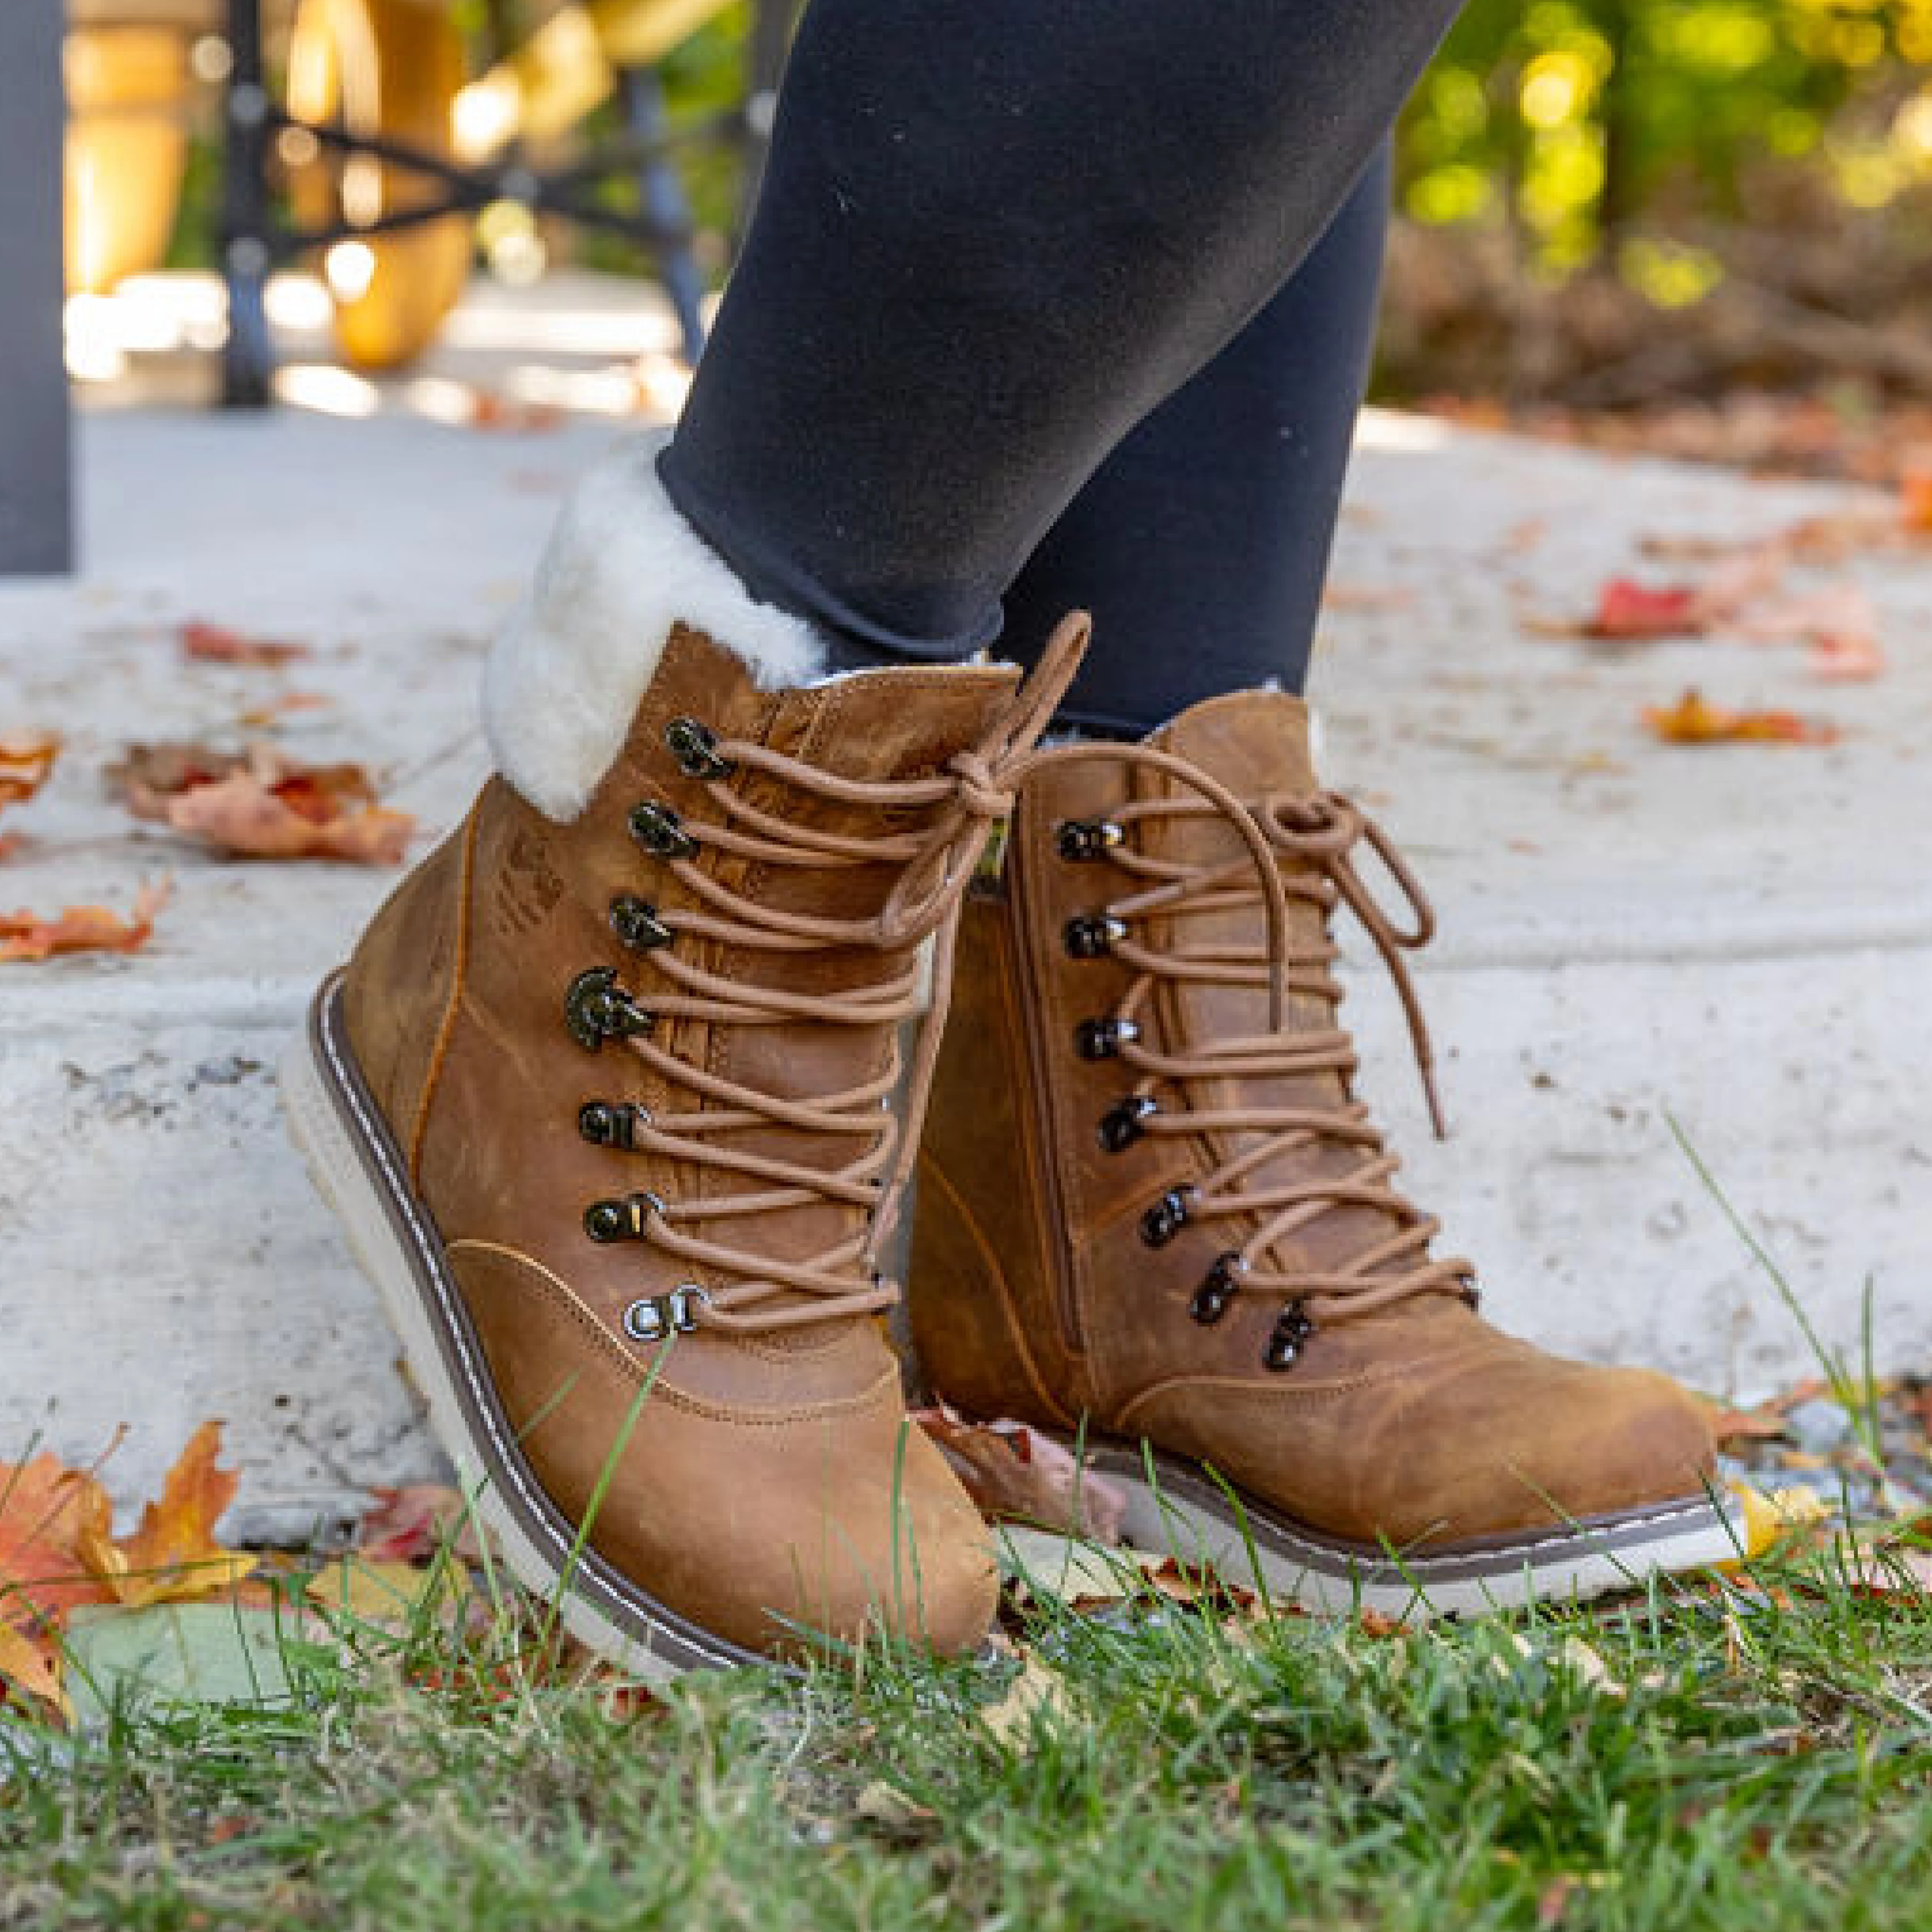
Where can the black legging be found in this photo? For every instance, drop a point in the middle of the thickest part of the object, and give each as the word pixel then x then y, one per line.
pixel 994 235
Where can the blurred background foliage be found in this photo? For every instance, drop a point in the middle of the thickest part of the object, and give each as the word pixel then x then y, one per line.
pixel 1601 204
pixel 1759 171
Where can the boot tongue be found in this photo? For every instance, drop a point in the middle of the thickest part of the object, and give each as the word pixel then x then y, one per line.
pixel 879 727
pixel 1256 744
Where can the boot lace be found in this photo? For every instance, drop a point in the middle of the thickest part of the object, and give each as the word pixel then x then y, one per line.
pixel 1295 848
pixel 956 810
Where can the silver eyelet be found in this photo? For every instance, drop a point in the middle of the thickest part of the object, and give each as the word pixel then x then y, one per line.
pixel 657 1316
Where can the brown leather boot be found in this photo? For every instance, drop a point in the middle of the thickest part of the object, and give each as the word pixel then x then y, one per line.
pixel 1150 1209
pixel 606 1098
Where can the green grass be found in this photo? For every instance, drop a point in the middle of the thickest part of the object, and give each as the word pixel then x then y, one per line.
pixel 1746 1757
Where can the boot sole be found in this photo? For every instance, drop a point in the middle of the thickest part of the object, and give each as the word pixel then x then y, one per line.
pixel 1178 1508
pixel 359 1171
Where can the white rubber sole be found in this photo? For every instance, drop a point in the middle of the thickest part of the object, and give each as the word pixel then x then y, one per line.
pixel 1175 1508
pixel 355 1168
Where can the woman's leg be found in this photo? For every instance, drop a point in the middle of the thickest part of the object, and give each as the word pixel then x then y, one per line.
pixel 993 237
pixel 1202 544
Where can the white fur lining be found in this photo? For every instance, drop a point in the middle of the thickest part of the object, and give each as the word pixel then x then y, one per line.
pixel 566 675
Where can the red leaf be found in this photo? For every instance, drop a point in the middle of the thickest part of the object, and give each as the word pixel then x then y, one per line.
pixel 1626 609
pixel 215 643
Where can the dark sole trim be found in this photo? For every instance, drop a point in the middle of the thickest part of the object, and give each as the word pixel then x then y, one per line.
pixel 1177 1506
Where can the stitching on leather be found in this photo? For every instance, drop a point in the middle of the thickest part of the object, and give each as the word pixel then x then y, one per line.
pixel 931 1173
pixel 446 1028
pixel 608 1345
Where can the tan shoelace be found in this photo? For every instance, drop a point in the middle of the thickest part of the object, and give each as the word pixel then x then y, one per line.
pixel 1295 848
pixel 759 1293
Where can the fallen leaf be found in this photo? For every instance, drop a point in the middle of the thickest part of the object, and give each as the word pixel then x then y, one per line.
pixel 258 804
pixel 1846 658
pixel 1586 1665
pixel 1036 1692
pixel 1694 720
pixel 85 929
pixel 173 1655
pixel 1628 610
pixel 1078 1573
pixel 32 1664
pixel 489 410
pixel 1797 1506
pixel 27 760
pixel 48 1511
pixel 1914 493
pixel 174 1553
pixel 387 1595
pixel 1889 1570
pixel 410 1524
pixel 1015 1472
pixel 1745 1425
pixel 881 1804
pixel 215 643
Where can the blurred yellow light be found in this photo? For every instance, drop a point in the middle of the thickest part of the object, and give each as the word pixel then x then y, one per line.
pixel 1557 87
pixel 1911 126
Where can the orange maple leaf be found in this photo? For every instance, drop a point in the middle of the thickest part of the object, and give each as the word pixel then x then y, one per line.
pixel 58 1553
pixel 33 1663
pixel 1694 720
pixel 85 928
pixel 27 759
pixel 173 1553
pixel 47 1510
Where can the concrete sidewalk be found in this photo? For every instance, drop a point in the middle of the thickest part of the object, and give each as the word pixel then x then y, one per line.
pixel 1741 938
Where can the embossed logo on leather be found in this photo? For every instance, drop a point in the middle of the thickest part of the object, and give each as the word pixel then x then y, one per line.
pixel 528 887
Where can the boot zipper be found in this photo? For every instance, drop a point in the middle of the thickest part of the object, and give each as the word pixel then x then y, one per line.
pixel 1051 1200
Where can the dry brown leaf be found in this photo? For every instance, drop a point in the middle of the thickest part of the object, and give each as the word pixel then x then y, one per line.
pixel 1745 1425
pixel 216 643
pixel 1037 1691
pixel 85 929
pixel 258 804
pixel 1014 1473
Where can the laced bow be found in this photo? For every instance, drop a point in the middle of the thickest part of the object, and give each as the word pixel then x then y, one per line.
pixel 1294 848
pixel 759 1292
